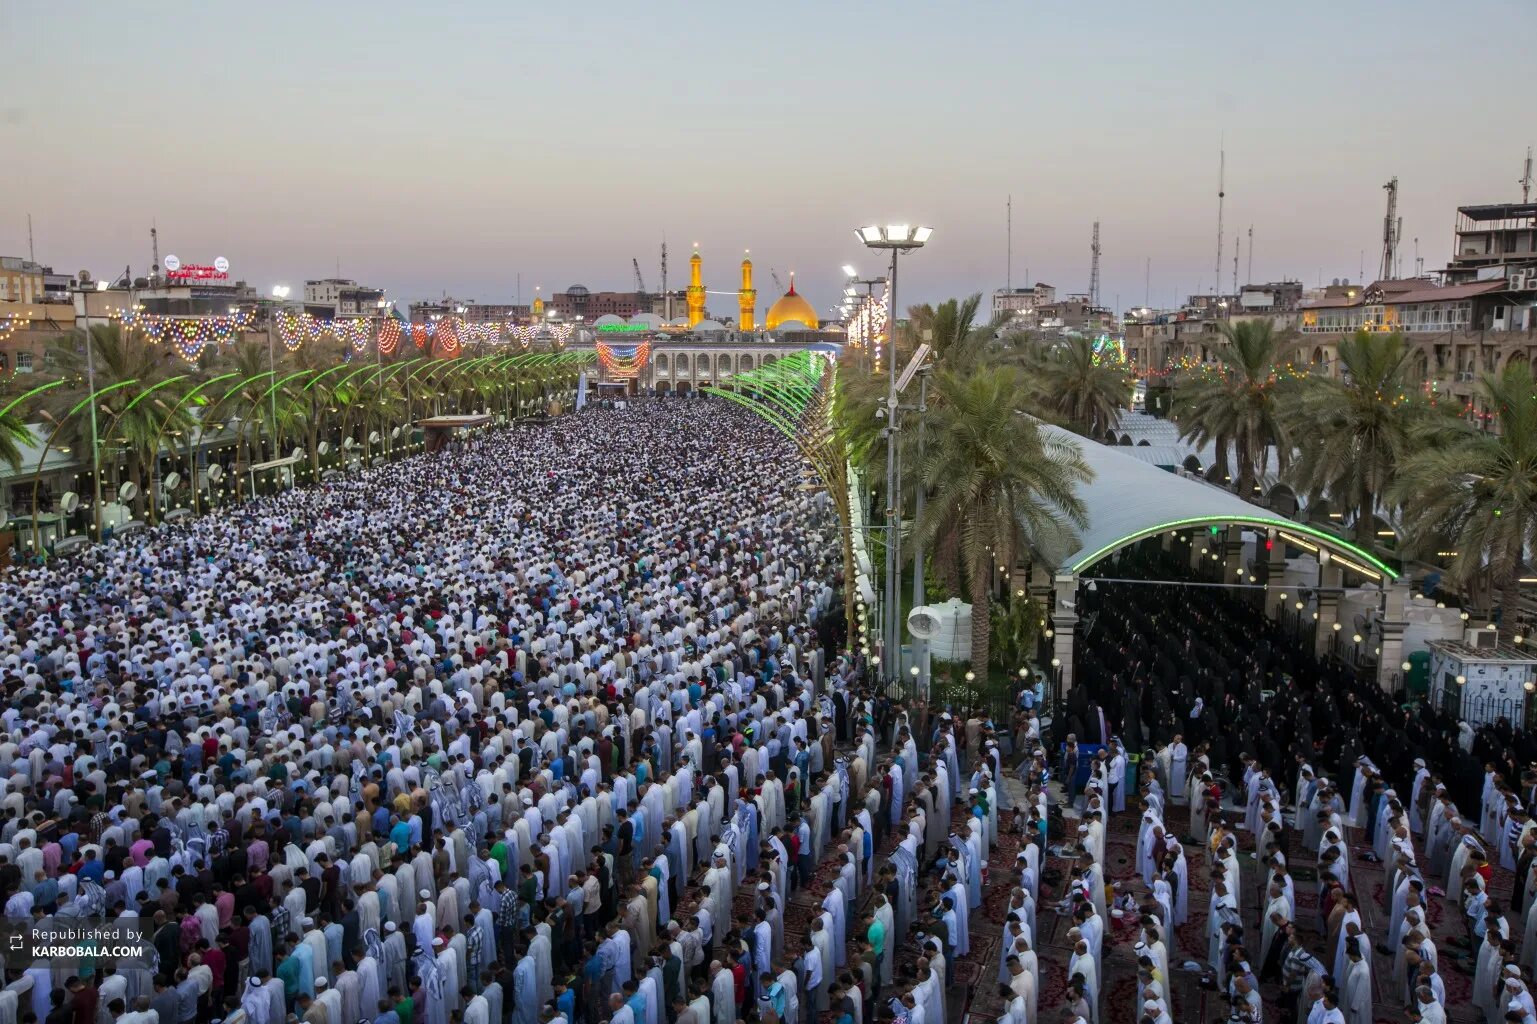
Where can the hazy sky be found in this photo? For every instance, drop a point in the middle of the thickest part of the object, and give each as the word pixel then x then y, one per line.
pixel 456 145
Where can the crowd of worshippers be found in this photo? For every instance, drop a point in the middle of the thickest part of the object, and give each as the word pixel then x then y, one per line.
pixel 1171 664
pixel 501 733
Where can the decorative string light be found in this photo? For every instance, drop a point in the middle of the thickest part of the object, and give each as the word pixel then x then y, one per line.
pixel 868 323
pixel 10 325
pixel 623 361
pixel 294 329
pixel 188 335
pixel 389 336
pixel 445 340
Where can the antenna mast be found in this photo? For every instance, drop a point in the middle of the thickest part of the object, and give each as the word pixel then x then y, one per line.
pixel 1008 274
pixel 1390 228
pixel 32 253
pixel 666 295
pixel 1221 196
pixel 1094 268
pixel 154 248
pixel 1236 240
pixel 1526 177
pixel 1250 275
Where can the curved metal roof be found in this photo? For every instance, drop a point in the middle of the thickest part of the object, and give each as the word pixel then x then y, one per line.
pixel 1129 500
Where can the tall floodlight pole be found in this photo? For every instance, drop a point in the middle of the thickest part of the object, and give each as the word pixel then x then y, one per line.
pixel 90 384
pixel 898 238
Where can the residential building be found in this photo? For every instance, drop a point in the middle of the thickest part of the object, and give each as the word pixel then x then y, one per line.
pixel 578 301
pixel 189 298
pixel 470 311
pixel 22 280
pixel 1075 314
pixel 1275 297
pixel 332 297
pixel 1493 241
pixel 1023 301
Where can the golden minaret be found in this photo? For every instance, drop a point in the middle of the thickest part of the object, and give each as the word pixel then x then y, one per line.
pixel 695 290
pixel 747 298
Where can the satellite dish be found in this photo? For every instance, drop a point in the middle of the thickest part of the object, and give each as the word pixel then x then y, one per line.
pixel 373 437
pixel 128 491
pixel 297 453
pixel 171 481
pixel 324 448
pixel 395 434
pixel 215 473
pixel 923 623
pixel 69 502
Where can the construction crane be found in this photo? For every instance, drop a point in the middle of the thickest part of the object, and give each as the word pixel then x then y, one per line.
pixel 640 282
pixel 777 282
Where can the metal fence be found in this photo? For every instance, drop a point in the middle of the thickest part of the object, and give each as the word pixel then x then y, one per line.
pixel 1484 709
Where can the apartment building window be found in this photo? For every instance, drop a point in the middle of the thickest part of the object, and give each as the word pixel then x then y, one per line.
pixel 24 362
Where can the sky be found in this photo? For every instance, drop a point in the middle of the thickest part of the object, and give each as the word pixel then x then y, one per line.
pixel 465 147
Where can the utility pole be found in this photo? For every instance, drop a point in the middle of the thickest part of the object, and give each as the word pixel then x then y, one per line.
pixel 1251 255
pixel 1008 274
pixel 1236 240
pixel 1525 182
pixel 1221 197
pixel 32 252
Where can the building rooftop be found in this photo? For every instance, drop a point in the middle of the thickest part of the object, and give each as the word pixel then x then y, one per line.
pixel 1128 499
pixel 1502 651
pixel 1453 292
pixel 1498 211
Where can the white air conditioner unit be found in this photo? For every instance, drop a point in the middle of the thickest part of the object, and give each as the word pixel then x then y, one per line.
pixel 1517 281
pixel 1524 282
pixel 1481 639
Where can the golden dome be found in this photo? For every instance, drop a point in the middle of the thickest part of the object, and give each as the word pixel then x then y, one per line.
pixel 791 306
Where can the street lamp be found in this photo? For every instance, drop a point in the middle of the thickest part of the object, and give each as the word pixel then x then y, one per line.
pixel 279 292
pixel 897 238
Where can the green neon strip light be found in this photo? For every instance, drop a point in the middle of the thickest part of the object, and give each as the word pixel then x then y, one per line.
pixel 22 398
pixel 1327 539
pixel 756 408
pixel 243 383
pixel 624 328
pixel 214 380
pixel 94 395
pixel 343 382
pixel 339 366
pixel 142 395
pixel 285 380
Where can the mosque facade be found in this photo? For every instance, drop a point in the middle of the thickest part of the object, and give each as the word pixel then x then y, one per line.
pixel 683 355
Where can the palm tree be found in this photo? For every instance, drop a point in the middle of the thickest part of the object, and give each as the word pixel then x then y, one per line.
pixel 1353 433
pixel 1478 490
pixel 14 433
pixel 1234 402
pixel 999 479
pixel 1069 382
pixel 128 371
pixel 951 329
